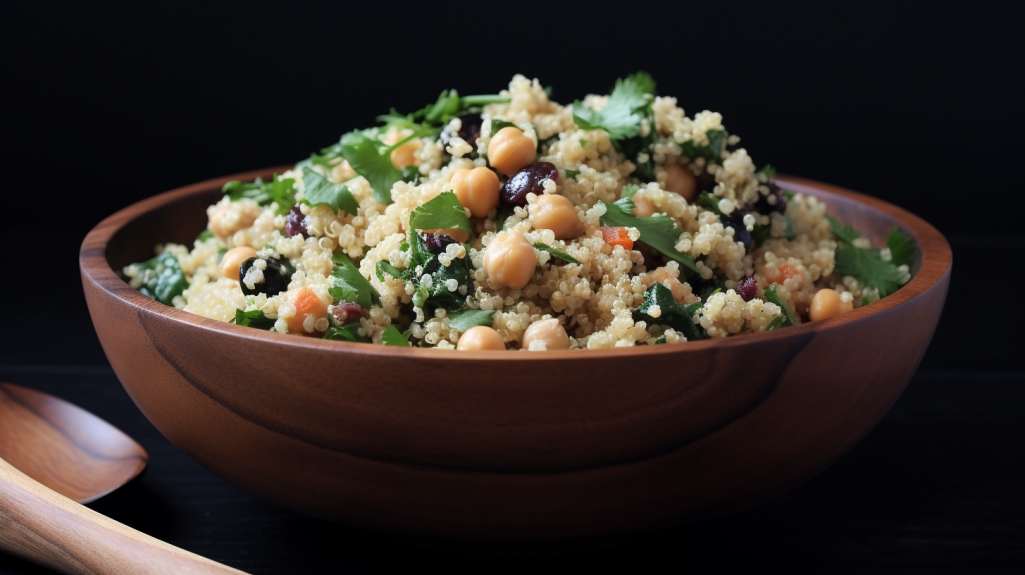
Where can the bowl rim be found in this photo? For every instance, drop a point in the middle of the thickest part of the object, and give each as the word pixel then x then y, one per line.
pixel 935 266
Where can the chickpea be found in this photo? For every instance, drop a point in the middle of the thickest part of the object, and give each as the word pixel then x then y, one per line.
pixel 310 312
pixel 548 331
pixel 223 225
pixel 509 261
pixel 404 155
pixel 556 213
pixel 477 189
pixel 826 304
pixel 233 259
pixel 509 150
pixel 480 337
pixel 643 207
pixel 680 180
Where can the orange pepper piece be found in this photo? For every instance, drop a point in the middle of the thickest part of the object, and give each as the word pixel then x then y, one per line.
pixel 617 237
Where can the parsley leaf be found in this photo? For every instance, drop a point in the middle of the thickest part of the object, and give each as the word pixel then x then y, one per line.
pixel 712 151
pixel 657 231
pixel 385 267
pixel 768 171
pixel 438 292
pixel 620 117
pixel 670 313
pixel 393 337
pixel 772 296
pixel 253 318
pixel 866 264
pixel 163 278
pixel 319 190
pixel 845 234
pixel 556 253
pixel 371 159
pixel 347 332
pixel 497 125
pixel 710 202
pixel 281 191
pixel 902 248
pixel 444 211
pixel 464 320
pixel 868 268
pixel 625 201
pixel 350 285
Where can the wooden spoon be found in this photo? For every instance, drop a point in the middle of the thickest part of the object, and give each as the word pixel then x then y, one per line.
pixel 66 454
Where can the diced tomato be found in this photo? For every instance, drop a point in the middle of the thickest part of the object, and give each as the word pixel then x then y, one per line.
pixel 617 237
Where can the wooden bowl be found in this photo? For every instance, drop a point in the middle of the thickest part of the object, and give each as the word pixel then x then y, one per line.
pixel 507 446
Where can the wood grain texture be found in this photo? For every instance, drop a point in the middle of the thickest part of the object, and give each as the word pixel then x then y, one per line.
pixel 50 529
pixel 503 444
pixel 64 447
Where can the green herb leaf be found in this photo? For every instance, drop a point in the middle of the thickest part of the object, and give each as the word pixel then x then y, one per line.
pixel 483 100
pixel 845 234
pixel 772 296
pixel 319 190
pixel 203 236
pixel 556 253
pixel 347 332
pixel 712 151
pixel 371 159
pixel 657 231
pixel 438 294
pixel 503 214
pixel 350 285
pixel 393 337
pixel 281 191
pixel 444 211
pixel 385 267
pixel 759 234
pixel 902 248
pixel 677 316
pixel 776 323
pixel 253 318
pixel 419 255
pixel 163 278
pixel 868 267
pixel 464 320
pixel 710 202
pixel 620 117
pixel 572 174
pixel 625 201
pixel 497 125
pixel 768 171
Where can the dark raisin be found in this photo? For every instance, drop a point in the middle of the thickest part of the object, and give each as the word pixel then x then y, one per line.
pixel 747 288
pixel 346 312
pixel 740 233
pixel 765 205
pixel 526 181
pixel 469 130
pixel 436 243
pixel 295 223
pixel 274 277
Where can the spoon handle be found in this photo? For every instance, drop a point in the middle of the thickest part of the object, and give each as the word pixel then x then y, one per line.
pixel 48 528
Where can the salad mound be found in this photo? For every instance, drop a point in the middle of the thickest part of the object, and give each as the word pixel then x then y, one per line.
pixel 511 221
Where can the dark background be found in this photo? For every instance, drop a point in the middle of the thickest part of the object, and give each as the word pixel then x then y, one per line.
pixel 919 105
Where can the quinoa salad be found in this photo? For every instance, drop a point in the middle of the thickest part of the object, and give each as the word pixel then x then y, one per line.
pixel 510 221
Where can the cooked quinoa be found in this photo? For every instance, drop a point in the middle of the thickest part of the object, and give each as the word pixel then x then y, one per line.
pixel 610 222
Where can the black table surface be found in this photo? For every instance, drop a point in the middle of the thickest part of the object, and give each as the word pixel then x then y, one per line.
pixel 936 487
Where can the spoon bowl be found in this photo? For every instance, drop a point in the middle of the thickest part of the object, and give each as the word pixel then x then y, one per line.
pixel 65 447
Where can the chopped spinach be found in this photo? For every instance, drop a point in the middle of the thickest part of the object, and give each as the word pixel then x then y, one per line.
pixel 677 316
pixel 253 318
pixel 712 151
pixel 163 278
pixel 347 332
